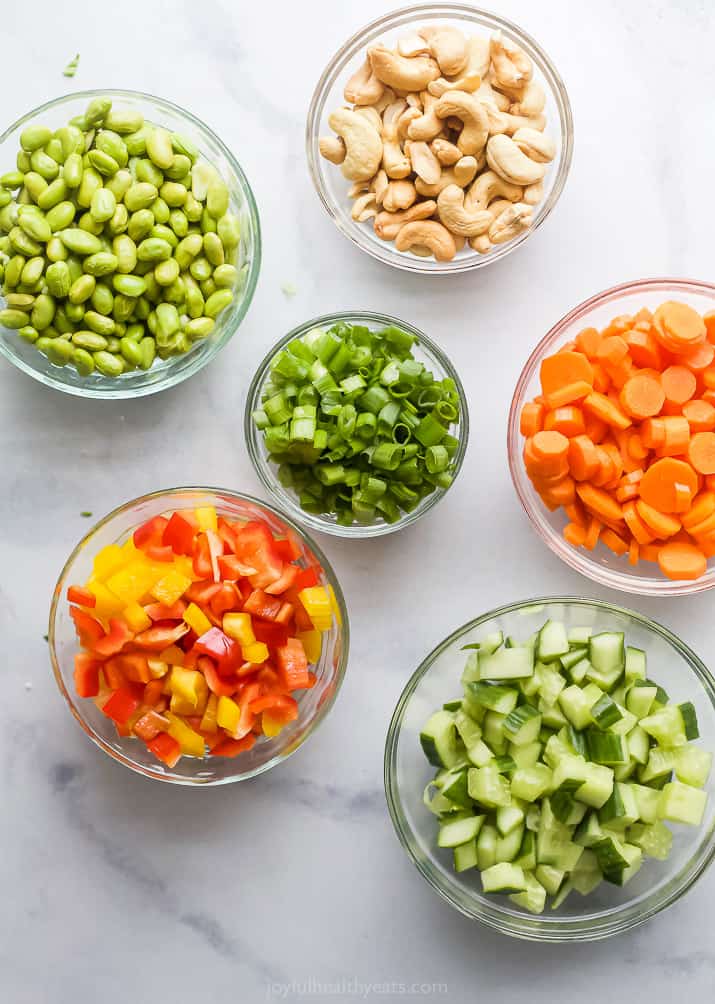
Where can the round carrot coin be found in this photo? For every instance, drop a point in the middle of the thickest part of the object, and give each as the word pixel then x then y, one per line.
pixel 658 484
pixel 642 397
pixel 679 560
pixel 701 452
pixel 679 385
pixel 678 327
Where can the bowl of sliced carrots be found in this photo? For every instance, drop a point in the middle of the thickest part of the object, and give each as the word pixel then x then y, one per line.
pixel 198 636
pixel 611 437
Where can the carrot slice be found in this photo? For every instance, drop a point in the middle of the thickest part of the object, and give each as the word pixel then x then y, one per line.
pixel 563 369
pixel 613 350
pixel 705 528
pixel 601 379
pixel 567 420
pixel 650 552
pixel 709 322
pixel 568 394
pixel 592 533
pixel 599 502
pixel 659 523
pixel 532 418
pixel 595 429
pixel 587 341
pixel 708 376
pixel 652 433
pixel 683 498
pixel 678 327
pixel 633 552
pixel 700 415
pixel 550 446
pixel 576 513
pixel 658 484
pixel 564 493
pixel 603 408
pixel 700 358
pixel 679 385
pixel 574 534
pixel 643 348
pixel 624 493
pixel 636 447
pixel 613 541
pixel 642 397
pixel 606 468
pixel 640 531
pixel 701 452
pixel 677 436
pixel 678 560
pixel 702 507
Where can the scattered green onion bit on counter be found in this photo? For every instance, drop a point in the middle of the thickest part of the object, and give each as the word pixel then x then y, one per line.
pixel 560 764
pixel 71 68
pixel 86 513
pixel 358 426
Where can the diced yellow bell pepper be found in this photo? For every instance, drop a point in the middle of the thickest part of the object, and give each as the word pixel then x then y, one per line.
pixel 136 617
pixel 207 519
pixel 185 566
pixel 170 588
pixel 132 582
pixel 186 684
pixel 197 619
pixel 334 606
pixel 108 605
pixel 208 722
pixel 255 653
pixel 228 714
pixel 107 561
pixel 239 627
pixel 271 726
pixel 312 643
pixel 317 605
pixel 158 668
pixel 191 742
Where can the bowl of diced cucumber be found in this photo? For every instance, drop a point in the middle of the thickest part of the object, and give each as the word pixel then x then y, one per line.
pixel 548 769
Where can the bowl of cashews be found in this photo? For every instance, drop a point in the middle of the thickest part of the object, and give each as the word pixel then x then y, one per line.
pixel 439 137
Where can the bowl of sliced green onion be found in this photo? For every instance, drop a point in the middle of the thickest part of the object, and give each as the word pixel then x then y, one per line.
pixel 356 423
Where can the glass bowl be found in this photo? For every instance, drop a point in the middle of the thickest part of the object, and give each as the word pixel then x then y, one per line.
pixel 601 564
pixel 332 187
pixel 426 352
pixel 609 909
pixel 169 372
pixel 313 704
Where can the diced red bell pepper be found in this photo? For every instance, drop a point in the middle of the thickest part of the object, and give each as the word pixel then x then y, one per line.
pixel 247 717
pixel 150 532
pixel 268 679
pixel 217 684
pixel 78 594
pixel 132 665
pixel 292 665
pixel 160 611
pixel 159 552
pixel 202 592
pixel 306 578
pixel 284 581
pixel 225 651
pixel 150 725
pixel 227 534
pixel 114 675
pixel 215 552
pixel 285 615
pixel 232 568
pixel 272 634
pixel 86 674
pixel 160 635
pixel 153 692
pixel 179 534
pixel 115 639
pixel 88 628
pixel 232 747
pixel 227 598
pixel 121 705
pixel 288 549
pixel 283 703
pixel 166 748
pixel 260 604
pixel 202 558
pixel 255 546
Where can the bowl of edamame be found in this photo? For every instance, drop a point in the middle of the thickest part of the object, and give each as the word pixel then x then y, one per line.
pixel 130 244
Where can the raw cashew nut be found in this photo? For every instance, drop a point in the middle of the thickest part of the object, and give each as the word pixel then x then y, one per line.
pixel 515 219
pixel 449 47
pixel 405 120
pixel 477 66
pixel 379 186
pixel 394 159
pixel 392 114
pixel 388 97
pixel 372 115
pixel 387 225
pixel 470 84
pixel 492 98
pixel 412 45
pixel 531 102
pixel 399 195
pixel 332 148
pixel 445 152
pixel 429 234
pixel 357 188
pixel 461 174
pixel 471 113
pixel 481 244
pixel 480 55
pixel 458 219
pixel 506 159
pixel 364 207
pixel 401 73
pixel 533 194
pixel 535 145
pixel 363 146
pixel 424 163
pixel 363 88
pixel 510 65
pixel 487 187
pixel 429 124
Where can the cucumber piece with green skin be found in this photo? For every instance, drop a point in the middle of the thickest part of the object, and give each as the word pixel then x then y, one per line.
pixel 504 764
pixel 624 771
pixel 635 664
pixel 455 788
pixel 550 684
pixel 479 754
pixel 655 840
pixel 522 725
pixel 509 817
pixel 465 856
pixel 682 803
pixel 576 703
pixel 439 739
pixel 532 817
pixel 572 657
pixel 550 878
pixel 693 765
pixel 669 726
pixel 646 802
pixel 491 643
pixel 530 783
pixel 607 654
pixel 503 877
pixel 605 712
pixel 639 700
pixel 625 723
pixel 487 786
pixel 493 732
pixel 660 765
pixel 533 898
pixel 690 720
pixel 579 637
pixel 526 756
pixel 597 780
pixel 506 664
pixel 551 715
pixel 589 832
pixel 452 705
pixel 621 809
pixel 562 799
pixel 469 730
pixel 526 857
pixel 552 642
pixel 493 696
pixel 587 875
pixel 661 695
pixel 561 895
pixel 470 672
pixel 606 747
pixel 638 745
pixel 508 846
pixel 487 846
pixel 579 670
pixel 453 832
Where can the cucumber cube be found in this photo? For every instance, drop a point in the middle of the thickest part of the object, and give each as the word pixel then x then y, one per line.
pixel 530 783
pixel 692 765
pixel 681 803
pixel 533 898
pixel 503 877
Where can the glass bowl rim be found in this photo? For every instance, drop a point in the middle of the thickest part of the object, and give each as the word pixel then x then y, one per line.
pixel 321 712
pixel 455 11
pixel 537 928
pixel 357 531
pixel 576 558
pixel 201 358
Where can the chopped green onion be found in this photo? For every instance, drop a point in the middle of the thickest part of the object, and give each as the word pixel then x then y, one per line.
pixel 436 459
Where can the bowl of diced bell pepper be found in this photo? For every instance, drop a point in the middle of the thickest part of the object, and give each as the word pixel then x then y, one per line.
pixel 198 635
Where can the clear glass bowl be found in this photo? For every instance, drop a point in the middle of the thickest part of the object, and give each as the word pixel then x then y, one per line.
pixel 609 909
pixel 423 350
pixel 332 187
pixel 313 704
pixel 601 564
pixel 169 372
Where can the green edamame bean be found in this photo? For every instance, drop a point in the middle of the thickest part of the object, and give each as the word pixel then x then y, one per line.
pixel 225 276
pixel 120 184
pixel 119 221
pixel 88 223
pixel 213 249
pixel 20 301
pixel 82 361
pixel 114 345
pixel 166 272
pixel 167 320
pixel 131 351
pixel 135 142
pixel 173 193
pixel 180 169
pixel 142 309
pixel 35 226
pixel 154 249
pixel 193 209
pixel 140 224
pixel 194 299
pixel 108 364
pixel 113 145
pixel 176 292
pixel 74 311
pixel 13 271
pixel 207 223
pixel 58 279
pixel 80 241
pixel 12 318
pixel 148 349
pixel 229 230
pixel 103 162
pixel 140 195
pixel 166 234
pixel 60 216
pixel 207 287
pixel 130 286
pixel 55 249
pixel 55 193
pixel 153 289
pixel 28 333
pixel 119 328
pixel 159 148
pixel 177 345
pixel 61 321
pixel 178 222
pixel 217 199
pixel 6 197
pixel 126 251
pixel 59 351
pixel 98 323
pixel 217 302
pixel 199 327
pixel 75 267
pixel 102 299
pixel 182 145
pixel 73 170
pixel 43 164
pixel 102 263
pixel 96 112
pixel 34 137
pixel 103 205
pixel 12 179
pixel 143 268
pixel 43 312
pixel 71 139
pixel 23 243
pixel 160 210
pixel 81 289
pixel 32 272
pixel 187 249
pixel 151 322
pixel 23 162
pixel 90 341
pixel 149 173
pixel 123 306
pixel 91 181
pixel 8 216
pixel 35 184
pixel 200 268
pixel 134 332
pixel 123 120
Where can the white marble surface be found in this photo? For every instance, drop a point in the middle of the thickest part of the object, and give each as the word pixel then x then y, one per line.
pixel 114 888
